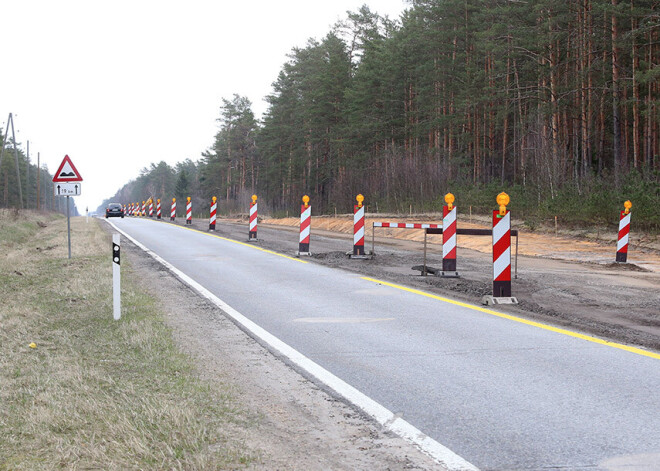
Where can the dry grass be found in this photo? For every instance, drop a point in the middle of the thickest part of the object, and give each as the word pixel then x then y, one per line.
pixel 95 393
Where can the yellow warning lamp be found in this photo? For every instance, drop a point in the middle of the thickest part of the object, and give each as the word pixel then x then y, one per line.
pixel 306 200
pixel 214 199
pixel 359 198
pixel 254 199
pixel 627 205
pixel 173 200
pixel 449 199
pixel 158 201
pixel 502 199
pixel 188 199
pixel 143 203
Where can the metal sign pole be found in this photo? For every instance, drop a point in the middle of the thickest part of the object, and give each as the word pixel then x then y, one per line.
pixel 68 223
pixel 116 277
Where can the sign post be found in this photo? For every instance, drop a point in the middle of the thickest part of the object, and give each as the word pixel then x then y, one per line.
pixel 116 277
pixel 66 182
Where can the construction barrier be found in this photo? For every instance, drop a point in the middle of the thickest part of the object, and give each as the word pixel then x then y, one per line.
pixel 252 231
pixel 358 228
pixel 305 226
pixel 158 208
pixel 406 225
pixel 144 209
pixel 173 210
pixel 151 208
pixel 189 211
pixel 214 206
pixel 624 232
pixel 449 237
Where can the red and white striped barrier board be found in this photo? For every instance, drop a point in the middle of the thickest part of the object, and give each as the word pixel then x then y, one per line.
pixel 405 225
pixel 358 230
pixel 189 212
pixel 501 255
pixel 151 208
pixel 448 239
pixel 144 209
pixel 252 234
pixel 158 209
pixel 173 210
pixel 622 242
pixel 212 218
pixel 305 229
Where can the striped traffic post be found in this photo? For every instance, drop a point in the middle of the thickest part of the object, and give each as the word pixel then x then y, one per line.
pixel 188 211
pixel 502 249
pixel 449 236
pixel 358 226
pixel 130 209
pixel 214 206
pixel 305 226
pixel 158 208
pixel 252 234
pixel 173 210
pixel 151 208
pixel 144 209
pixel 624 232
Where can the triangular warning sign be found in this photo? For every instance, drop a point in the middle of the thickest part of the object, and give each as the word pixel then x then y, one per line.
pixel 67 172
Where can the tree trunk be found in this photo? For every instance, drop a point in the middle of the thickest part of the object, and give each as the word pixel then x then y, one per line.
pixel 616 131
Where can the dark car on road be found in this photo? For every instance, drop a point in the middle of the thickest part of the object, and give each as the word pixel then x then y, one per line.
pixel 114 210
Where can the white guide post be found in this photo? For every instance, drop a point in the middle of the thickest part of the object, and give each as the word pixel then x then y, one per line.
pixel 116 277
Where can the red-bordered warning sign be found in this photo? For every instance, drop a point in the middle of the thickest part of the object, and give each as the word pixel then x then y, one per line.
pixel 67 172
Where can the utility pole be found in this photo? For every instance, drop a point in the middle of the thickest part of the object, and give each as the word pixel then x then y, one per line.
pixel 10 120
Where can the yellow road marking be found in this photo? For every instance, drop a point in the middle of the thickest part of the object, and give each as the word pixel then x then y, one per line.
pixel 588 338
pixel 237 242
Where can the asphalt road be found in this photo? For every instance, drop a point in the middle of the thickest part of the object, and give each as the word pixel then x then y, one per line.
pixel 500 393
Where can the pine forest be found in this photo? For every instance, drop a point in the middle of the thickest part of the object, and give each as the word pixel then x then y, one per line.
pixel 554 102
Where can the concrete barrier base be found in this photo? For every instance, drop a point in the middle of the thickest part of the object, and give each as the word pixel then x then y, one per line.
pixel 489 300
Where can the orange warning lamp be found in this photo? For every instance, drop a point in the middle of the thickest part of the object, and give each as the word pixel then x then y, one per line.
pixel 158 200
pixel 254 199
pixel 188 198
pixel 306 200
pixel 214 199
pixel 359 198
pixel 173 200
pixel 143 202
pixel 502 199
pixel 627 205
pixel 449 199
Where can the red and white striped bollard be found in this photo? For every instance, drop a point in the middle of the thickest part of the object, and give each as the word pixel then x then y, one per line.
pixel 449 236
pixel 502 249
pixel 214 206
pixel 158 208
pixel 173 210
pixel 252 231
pixel 358 227
pixel 624 232
pixel 189 211
pixel 305 226
pixel 151 208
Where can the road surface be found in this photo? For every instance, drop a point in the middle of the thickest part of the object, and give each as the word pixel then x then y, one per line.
pixel 501 393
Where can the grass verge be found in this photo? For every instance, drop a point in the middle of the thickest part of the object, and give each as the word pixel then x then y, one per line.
pixel 96 393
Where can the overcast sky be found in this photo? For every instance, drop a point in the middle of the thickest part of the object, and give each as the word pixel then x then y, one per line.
pixel 119 85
